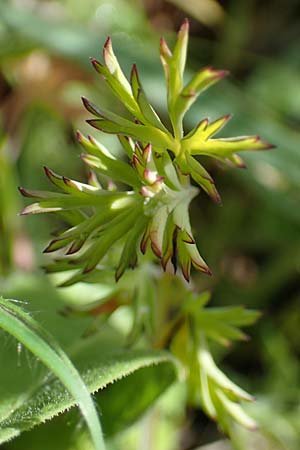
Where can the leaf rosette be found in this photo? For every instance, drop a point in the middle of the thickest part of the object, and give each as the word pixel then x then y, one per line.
pixel 154 209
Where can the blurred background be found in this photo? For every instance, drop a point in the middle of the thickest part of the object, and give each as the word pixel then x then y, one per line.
pixel 252 241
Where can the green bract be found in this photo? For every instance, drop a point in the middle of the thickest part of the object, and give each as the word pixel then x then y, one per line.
pixel 154 209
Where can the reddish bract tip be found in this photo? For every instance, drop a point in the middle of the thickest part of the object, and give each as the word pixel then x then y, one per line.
pixel 159 179
pixel 89 269
pixel 241 165
pixel 215 196
pixel 135 160
pixel 48 249
pixel 185 25
pixel 91 139
pixel 164 261
pixel 51 246
pixel 186 272
pixel 147 152
pixel 107 47
pixel 75 247
pixel 92 122
pixel 25 193
pixel 134 71
pixel 84 101
pixel 95 62
pixel 97 66
pixel 68 181
pixel 143 245
pixel 48 172
pixel 118 275
pixel 79 136
pixel 155 249
pixel 90 107
pixel 204 269
pixel 107 42
pixel 188 239
pixel 265 145
pixel 224 73
pixel 164 49
pixel 203 123
pixel 217 73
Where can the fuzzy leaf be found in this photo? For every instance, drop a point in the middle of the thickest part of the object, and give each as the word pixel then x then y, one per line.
pixel 108 366
pixel 26 330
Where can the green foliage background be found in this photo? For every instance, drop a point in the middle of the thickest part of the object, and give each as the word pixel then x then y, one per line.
pixel 251 242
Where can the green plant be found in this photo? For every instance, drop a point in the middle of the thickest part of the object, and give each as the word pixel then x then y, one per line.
pixel 108 227
pixel 28 332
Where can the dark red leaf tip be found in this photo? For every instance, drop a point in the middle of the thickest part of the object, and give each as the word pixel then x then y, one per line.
pixel 67 180
pixel 134 72
pixel 215 73
pixel 208 272
pixel 97 65
pixel 49 248
pixel 47 171
pixel 185 24
pixel 228 116
pixel 269 146
pixel 107 42
pixel 223 73
pixel 89 105
pixel 92 122
pixel 79 136
pixel 92 139
pixel 164 47
pixel 23 191
pixel 95 62
pixel 75 247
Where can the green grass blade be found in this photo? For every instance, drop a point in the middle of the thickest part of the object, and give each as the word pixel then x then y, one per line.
pixel 26 330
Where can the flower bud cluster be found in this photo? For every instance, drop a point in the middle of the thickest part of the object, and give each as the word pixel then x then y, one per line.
pixel 160 164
